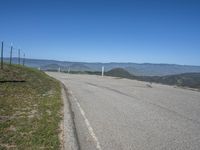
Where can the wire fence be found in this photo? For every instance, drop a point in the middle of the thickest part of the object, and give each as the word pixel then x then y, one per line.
pixel 11 55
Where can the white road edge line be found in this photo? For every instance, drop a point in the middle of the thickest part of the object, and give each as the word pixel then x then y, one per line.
pixel 90 129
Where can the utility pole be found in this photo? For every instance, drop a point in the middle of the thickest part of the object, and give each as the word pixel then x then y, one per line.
pixel 2 55
pixel 18 56
pixel 11 54
pixel 24 59
pixel 102 71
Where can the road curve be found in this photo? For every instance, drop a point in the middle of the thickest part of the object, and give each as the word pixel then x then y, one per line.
pixel 121 114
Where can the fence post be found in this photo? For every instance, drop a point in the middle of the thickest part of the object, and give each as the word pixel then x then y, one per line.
pixel 2 55
pixel 18 56
pixel 11 54
pixel 24 59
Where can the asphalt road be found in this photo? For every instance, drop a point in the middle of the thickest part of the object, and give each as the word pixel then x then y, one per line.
pixel 121 114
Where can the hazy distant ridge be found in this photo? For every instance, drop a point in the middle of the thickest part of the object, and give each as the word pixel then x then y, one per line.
pixel 145 69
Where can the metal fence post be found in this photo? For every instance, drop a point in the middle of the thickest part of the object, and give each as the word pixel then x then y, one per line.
pixel 18 56
pixel 24 60
pixel 11 54
pixel 2 55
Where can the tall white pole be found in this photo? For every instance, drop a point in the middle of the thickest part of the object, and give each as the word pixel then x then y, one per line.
pixel 102 71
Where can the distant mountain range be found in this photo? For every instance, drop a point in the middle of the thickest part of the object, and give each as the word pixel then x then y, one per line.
pixel 145 69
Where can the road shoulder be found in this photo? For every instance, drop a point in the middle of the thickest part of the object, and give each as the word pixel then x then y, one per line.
pixel 70 135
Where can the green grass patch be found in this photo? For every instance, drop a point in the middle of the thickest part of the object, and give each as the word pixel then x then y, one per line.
pixel 29 110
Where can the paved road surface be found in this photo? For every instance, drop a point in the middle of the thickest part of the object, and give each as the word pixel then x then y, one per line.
pixel 121 114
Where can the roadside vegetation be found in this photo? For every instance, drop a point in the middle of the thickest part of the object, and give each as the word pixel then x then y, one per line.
pixel 30 103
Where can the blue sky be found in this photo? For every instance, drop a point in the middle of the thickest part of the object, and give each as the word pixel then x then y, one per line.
pixel 160 31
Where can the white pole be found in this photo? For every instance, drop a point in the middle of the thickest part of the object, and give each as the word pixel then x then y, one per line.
pixel 59 69
pixel 102 71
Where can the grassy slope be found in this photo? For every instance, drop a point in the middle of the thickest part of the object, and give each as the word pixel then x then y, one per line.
pixel 29 111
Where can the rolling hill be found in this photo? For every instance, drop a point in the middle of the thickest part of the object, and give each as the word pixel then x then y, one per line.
pixel 119 72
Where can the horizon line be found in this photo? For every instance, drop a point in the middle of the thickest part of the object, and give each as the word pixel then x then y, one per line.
pixel 46 59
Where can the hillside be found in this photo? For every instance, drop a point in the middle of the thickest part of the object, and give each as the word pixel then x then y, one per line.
pixel 119 72
pixel 73 67
pixel 51 67
pixel 30 106
pixel 145 69
pixel 191 80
